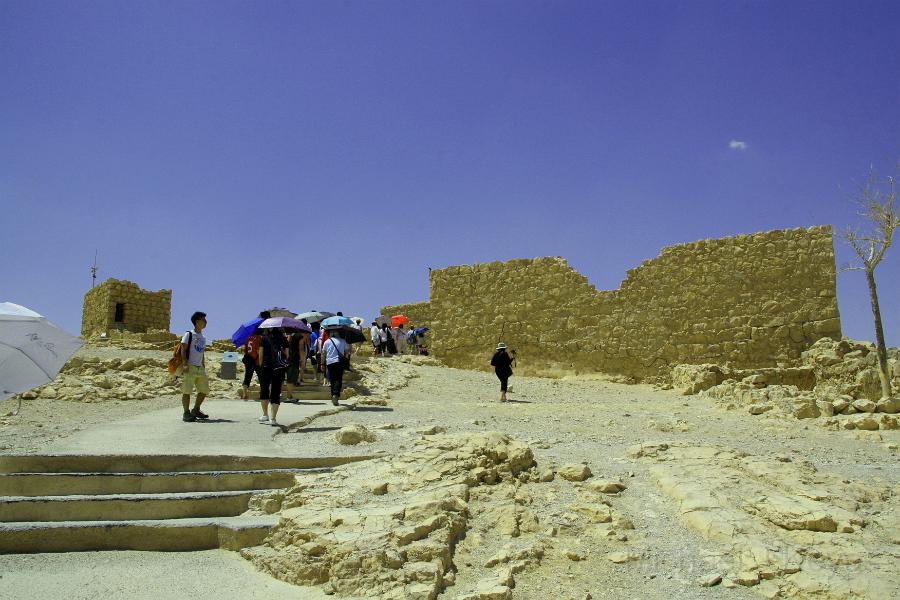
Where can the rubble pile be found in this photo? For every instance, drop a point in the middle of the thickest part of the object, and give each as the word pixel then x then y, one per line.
pixel 87 378
pixel 836 380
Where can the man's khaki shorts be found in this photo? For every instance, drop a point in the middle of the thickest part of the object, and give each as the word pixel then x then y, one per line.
pixel 195 377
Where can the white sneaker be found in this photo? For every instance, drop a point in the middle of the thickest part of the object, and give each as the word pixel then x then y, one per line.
pixel 264 419
pixel 274 423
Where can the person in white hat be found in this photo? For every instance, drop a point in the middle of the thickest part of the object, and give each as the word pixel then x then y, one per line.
pixel 502 363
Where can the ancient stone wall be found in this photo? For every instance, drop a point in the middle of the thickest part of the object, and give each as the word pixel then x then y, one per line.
pixel 418 313
pixel 748 301
pixel 122 305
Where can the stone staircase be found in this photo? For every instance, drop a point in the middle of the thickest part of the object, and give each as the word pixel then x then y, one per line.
pixel 65 503
pixel 311 390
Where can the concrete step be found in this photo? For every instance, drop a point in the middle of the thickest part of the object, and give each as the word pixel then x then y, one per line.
pixel 65 503
pixel 172 535
pixel 124 507
pixel 63 484
pixel 164 463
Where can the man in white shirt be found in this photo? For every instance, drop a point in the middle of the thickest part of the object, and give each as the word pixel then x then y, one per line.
pixel 193 372
pixel 336 353
pixel 375 333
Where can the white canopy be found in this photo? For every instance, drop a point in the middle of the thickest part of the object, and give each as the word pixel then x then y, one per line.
pixel 32 349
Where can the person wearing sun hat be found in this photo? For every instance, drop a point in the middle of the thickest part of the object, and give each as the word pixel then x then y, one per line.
pixel 502 363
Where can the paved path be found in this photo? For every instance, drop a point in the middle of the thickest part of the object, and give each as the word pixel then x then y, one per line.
pixel 232 429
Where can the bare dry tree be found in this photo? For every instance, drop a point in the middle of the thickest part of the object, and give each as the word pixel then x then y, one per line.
pixel 875 199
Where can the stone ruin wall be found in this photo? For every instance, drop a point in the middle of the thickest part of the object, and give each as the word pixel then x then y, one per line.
pixel 418 313
pixel 749 301
pixel 143 310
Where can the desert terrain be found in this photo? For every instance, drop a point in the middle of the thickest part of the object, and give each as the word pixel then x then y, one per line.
pixel 578 487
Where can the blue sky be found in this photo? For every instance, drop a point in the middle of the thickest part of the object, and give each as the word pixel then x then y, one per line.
pixel 325 154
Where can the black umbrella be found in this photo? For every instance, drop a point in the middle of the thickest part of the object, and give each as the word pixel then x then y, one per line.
pixel 351 334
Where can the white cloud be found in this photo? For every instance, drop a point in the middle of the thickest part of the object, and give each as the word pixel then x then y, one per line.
pixel 737 145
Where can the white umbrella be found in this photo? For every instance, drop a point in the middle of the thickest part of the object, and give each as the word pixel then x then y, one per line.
pixel 32 350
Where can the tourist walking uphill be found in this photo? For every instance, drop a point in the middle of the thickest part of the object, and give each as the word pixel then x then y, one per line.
pixel 271 374
pixel 251 363
pixel 336 355
pixel 376 338
pixel 251 359
pixel 193 346
pixel 502 363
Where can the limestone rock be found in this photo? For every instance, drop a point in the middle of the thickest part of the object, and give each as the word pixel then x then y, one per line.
pixel 865 421
pixel 574 472
pixel 864 406
pixel 574 555
pixel 622 557
pixel 691 379
pixel 888 405
pixel 805 407
pixel 747 578
pixel 757 380
pixel 433 430
pixel 606 486
pixel 353 434
pixel 758 409
pixel 888 422
pixel 840 404
pixel 488 590
pixel 826 409
pixel 710 580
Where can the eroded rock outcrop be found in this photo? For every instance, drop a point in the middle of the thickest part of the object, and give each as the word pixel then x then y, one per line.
pixel 389 528
pixel 781 524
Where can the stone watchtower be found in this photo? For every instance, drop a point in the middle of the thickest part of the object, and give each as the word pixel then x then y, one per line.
pixel 122 305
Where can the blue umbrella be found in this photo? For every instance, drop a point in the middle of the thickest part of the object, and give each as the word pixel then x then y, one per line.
pixel 421 330
pixel 336 322
pixel 243 333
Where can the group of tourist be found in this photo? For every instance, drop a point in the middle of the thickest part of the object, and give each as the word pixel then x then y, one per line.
pixel 276 357
pixel 397 340
pixel 280 360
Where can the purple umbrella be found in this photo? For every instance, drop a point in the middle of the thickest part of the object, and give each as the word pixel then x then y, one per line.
pixel 285 323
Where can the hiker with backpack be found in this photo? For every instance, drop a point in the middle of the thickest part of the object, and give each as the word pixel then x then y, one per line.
pixel 273 366
pixel 193 369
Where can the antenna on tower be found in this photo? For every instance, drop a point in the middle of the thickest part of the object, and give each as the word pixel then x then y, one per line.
pixel 94 270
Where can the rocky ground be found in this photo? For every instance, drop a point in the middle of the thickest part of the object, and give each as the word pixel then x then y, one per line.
pixel 576 488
